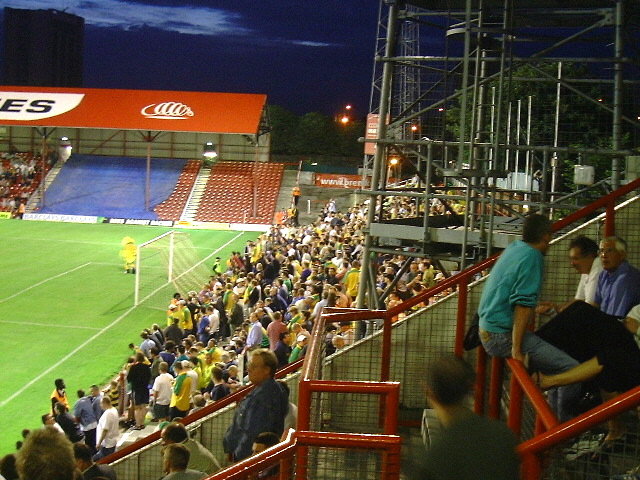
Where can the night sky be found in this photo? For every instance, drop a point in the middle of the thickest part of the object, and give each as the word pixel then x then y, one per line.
pixel 305 55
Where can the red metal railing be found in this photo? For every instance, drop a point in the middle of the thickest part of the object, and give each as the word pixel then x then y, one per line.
pixel 296 445
pixel 548 431
pixel 389 392
pixel 208 410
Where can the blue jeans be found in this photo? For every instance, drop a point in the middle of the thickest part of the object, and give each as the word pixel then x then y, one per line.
pixel 103 452
pixel 543 357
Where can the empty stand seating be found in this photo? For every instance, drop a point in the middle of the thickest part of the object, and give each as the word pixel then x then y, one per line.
pixel 230 190
pixel 172 207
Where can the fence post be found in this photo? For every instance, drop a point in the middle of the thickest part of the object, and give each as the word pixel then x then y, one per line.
pixel 530 468
pixel 461 321
pixel 514 421
pixel 481 380
pixel 610 219
pixel 303 424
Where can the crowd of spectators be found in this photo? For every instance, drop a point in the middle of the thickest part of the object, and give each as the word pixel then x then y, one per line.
pixel 267 296
pixel 18 179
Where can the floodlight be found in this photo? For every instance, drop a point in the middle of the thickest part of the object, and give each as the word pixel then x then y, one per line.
pixel 209 151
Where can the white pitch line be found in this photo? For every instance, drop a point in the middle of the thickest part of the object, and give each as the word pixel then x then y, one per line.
pixel 36 324
pixel 63 240
pixel 91 339
pixel 44 281
pixel 65 358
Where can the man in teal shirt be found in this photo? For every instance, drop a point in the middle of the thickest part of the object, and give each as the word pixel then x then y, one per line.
pixel 507 307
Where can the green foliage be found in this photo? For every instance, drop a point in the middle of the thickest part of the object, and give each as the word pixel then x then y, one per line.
pixel 313 134
pixel 582 123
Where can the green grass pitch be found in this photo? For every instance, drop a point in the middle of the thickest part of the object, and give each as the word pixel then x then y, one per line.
pixel 66 309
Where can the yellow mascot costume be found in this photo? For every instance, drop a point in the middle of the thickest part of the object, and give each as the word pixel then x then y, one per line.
pixel 128 254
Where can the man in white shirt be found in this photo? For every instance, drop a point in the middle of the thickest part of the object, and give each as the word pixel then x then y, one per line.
pixel 162 393
pixel 583 255
pixel 108 430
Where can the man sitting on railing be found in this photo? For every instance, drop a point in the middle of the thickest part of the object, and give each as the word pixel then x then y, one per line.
pixel 507 307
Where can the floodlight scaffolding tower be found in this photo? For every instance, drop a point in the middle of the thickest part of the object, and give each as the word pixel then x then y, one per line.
pixel 479 78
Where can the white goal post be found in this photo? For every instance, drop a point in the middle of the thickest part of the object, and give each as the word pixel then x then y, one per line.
pixel 171 259
pixel 152 266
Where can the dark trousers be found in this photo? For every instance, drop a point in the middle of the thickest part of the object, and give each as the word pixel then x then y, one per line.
pixel 90 439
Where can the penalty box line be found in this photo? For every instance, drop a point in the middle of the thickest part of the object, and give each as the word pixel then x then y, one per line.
pixel 43 282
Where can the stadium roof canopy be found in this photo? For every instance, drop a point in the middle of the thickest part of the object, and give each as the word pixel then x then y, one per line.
pixel 151 110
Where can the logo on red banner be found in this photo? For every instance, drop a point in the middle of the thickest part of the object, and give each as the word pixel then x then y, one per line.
pixel 167 111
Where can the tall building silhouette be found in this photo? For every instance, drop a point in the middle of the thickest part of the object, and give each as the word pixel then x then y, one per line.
pixel 42 48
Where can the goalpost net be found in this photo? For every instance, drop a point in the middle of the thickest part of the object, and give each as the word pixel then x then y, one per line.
pixel 169 259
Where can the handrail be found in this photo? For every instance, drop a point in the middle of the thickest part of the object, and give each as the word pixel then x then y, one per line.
pixel 443 285
pixel 599 203
pixel 582 423
pixel 294 440
pixel 534 394
pixel 261 461
pixel 194 417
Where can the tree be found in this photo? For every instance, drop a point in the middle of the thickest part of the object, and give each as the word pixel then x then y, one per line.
pixel 313 134
pixel 582 123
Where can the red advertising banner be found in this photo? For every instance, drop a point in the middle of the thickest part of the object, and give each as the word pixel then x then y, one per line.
pixel 330 180
pixel 333 180
pixel 151 110
pixel 371 133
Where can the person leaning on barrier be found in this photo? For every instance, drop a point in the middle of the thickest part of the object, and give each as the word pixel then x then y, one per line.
pixel 470 447
pixel 200 458
pixel 507 308
pixel 175 458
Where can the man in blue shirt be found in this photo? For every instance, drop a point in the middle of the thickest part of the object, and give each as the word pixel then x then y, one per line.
pixel 254 338
pixel 86 417
pixel 263 410
pixel 618 287
pixel 507 306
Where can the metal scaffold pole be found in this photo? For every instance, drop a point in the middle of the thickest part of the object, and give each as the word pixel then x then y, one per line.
pixel 378 159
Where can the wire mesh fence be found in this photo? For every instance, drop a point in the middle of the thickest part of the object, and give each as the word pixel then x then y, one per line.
pixel 589 457
pixel 146 462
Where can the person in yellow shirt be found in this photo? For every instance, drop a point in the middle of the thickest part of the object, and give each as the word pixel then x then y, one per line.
pixel 182 312
pixel 351 280
pixel 129 254
pixel 181 392
pixel 203 369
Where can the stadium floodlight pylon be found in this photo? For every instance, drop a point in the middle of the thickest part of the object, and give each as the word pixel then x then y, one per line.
pixel 170 258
